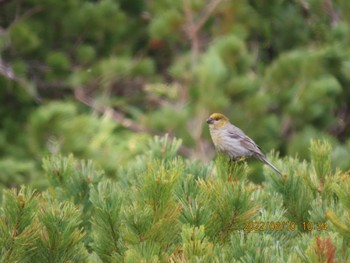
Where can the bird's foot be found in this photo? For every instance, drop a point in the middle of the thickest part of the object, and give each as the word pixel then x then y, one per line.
pixel 241 159
pixel 229 176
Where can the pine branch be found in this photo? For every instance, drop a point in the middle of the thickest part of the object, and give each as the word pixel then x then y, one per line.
pixel 19 228
pixel 61 235
pixel 106 222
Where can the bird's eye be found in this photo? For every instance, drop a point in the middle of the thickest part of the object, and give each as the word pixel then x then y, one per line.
pixel 217 119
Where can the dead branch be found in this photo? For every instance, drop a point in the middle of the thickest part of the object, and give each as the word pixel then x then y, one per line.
pixel 208 10
pixel 193 27
pixel 120 118
pixel 331 12
pixel 7 71
pixel 29 13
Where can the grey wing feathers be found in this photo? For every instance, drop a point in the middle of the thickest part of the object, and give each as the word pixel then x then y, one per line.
pixel 249 144
pixel 245 141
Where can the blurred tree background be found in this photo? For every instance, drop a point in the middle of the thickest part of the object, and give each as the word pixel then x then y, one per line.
pixel 105 155
pixel 99 78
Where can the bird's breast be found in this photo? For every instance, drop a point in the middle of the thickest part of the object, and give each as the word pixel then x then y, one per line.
pixel 225 143
pixel 217 138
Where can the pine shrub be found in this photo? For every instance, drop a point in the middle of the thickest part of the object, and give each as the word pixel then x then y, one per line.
pixel 164 208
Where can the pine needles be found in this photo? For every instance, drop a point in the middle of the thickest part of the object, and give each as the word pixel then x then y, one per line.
pixel 167 209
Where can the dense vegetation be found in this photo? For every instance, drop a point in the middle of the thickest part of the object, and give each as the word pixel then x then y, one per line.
pixel 167 209
pixel 96 80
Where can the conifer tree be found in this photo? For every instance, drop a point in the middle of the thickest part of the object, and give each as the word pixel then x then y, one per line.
pixel 171 209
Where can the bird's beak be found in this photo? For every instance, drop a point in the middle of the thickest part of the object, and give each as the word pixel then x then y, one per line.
pixel 210 120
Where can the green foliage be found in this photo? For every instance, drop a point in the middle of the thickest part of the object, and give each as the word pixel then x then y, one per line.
pixel 321 159
pixel 86 54
pixel 152 211
pixel 61 235
pixel 171 209
pixel 109 75
pixel 196 246
pixel 163 148
pixel 14 173
pixel 166 65
pixel 106 219
pixel 342 222
pixel 58 63
pixel 297 195
pixel 49 126
pixel 19 230
pixel 24 38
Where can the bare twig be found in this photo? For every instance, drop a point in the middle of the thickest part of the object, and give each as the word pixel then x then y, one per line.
pixel 192 27
pixel 119 117
pixel 2 2
pixel 208 10
pixel 333 15
pixel 7 71
pixel 29 13
pixel 192 31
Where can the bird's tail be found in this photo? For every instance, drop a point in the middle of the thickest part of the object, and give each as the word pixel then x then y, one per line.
pixel 264 160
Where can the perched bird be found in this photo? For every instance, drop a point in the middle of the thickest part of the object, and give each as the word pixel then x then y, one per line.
pixel 233 141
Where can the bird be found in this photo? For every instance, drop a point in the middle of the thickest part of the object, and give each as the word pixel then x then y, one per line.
pixel 231 140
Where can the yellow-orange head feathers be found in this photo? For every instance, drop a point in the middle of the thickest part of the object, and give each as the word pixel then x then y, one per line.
pixel 218 120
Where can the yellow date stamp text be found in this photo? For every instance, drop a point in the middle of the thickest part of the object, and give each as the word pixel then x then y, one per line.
pixel 283 225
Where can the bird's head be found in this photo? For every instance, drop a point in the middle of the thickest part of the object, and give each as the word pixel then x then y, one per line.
pixel 217 120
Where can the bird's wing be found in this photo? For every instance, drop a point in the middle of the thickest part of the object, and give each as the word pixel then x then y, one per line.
pixel 238 135
pixel 245 141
